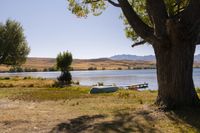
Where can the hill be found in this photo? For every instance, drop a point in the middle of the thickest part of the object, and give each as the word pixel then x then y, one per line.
pixel 142 58
pixel 109 64
pixel 84 64
pixel 117 62
pixel 133 57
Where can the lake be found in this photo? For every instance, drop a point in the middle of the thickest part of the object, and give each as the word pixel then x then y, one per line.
pixel 109 77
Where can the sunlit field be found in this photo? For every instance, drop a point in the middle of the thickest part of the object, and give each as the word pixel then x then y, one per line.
pixel 33 105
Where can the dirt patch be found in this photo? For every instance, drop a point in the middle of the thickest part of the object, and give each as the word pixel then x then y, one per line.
pixel 61 116
pixel 87 117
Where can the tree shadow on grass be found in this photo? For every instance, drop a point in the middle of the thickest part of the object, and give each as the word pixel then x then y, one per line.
pixel 123 122
pixel 189 116
pixel 76 125
pixel 140 121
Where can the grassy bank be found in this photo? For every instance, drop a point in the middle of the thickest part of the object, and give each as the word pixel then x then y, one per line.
pixel 41 108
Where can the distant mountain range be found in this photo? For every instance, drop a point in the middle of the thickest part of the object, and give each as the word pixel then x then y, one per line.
pixel 141 58
pixel 133 57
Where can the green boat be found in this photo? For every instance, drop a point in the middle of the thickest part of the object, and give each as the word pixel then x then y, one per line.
pixel 103 89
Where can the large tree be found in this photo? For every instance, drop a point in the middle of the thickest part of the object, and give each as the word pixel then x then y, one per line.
pixel 13 45
pixel 172 27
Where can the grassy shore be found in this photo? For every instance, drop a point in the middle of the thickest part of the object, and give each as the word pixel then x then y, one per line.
pixel 33 105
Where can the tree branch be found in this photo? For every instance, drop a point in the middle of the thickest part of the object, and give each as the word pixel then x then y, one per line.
pixel 158 13
pixel 139 43
pixel 142 29
pixel 191 13
pixel 113 3
pixel 191 18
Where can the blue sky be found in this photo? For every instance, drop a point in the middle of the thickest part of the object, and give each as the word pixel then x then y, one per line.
pixel 50 28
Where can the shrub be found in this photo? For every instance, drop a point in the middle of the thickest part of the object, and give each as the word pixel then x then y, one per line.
pixel 45 70
pixel 31 85
pixel 65 78
pixel 34 70
pixel 16 69
pixel 6 78
pixel 40 78
pixel 76 82
pixel 29 77
pixel 30 70
pixel 64 60
pixel 92 68
pixel 10 85
pixel 119 68
pixel 51 69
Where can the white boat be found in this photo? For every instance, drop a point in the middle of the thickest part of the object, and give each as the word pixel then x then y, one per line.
pixel 103 89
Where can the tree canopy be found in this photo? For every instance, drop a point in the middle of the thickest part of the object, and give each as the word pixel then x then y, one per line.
pixel 64 60
pixel 13 45
pixel 145 15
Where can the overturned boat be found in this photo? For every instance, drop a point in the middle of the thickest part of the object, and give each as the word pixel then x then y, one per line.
pixel 103 89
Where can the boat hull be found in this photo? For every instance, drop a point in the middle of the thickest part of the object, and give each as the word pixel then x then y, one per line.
pixel 103 89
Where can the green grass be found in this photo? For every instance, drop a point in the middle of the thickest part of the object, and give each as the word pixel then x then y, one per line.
pixel 10 82
pixel 54 94
pixel 122 111
pixel 38 89
pixel 72 92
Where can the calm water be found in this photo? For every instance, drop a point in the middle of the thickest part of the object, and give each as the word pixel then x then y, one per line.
pixel 118 77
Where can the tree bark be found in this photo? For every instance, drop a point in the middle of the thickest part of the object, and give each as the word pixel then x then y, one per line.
pixel 174 74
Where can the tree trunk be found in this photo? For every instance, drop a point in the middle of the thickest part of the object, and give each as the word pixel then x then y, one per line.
pixel 174 74
pixel 173 42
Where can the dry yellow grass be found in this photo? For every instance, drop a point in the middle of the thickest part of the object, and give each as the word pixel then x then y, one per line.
pixel 39 63
pixel 42 63
pixel 111 64
pixel 4 68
